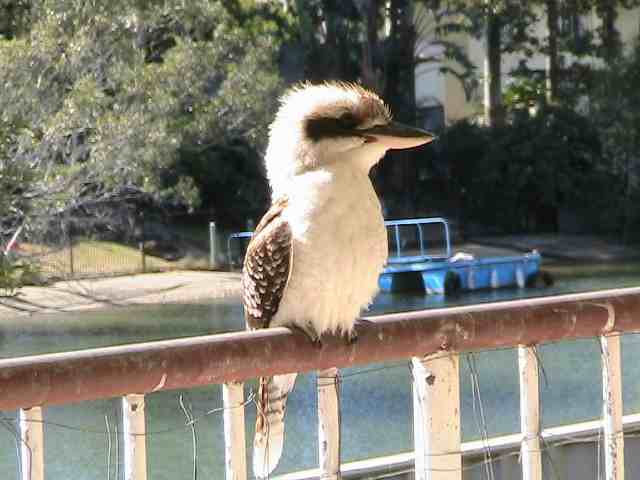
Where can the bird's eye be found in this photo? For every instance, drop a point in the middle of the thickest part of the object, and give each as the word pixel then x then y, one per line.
pixel 348 120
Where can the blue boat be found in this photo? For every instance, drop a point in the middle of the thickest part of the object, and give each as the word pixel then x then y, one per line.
pixel 440 271
pixel 444 273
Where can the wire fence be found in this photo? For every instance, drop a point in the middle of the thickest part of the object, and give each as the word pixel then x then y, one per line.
pixel 128 240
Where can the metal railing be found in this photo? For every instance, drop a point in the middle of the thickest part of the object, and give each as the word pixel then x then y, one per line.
pixel 432 339
pixel 235 236
pixel 418 223
pixel 393 225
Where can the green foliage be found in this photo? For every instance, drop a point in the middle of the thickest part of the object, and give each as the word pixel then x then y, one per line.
pixel 525 93
pixel 518 177
pixel 15 273
pixel 8 281
pixel 614 106
pixel 15 178
pixel 112 93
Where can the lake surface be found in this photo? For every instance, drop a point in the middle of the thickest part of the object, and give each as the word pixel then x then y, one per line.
pixel 376 399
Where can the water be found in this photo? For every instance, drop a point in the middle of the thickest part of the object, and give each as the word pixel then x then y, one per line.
pixel 376 399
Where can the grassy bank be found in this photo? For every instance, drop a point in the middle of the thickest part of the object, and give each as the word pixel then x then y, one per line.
pixel 91 258
pixel 574 269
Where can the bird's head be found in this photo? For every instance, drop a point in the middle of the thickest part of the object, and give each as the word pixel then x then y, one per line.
pixel 318 125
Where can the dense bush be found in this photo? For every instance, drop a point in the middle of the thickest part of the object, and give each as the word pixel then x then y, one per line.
pixel 521 176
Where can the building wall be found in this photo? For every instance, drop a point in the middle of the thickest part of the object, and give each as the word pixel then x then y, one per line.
pixel 434 87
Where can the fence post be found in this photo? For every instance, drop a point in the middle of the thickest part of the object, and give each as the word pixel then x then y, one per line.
pixel 234 437
pixel 70 243
pixel 32 444
pixel 529 414
pixel 329 423
pixel 612 406
pixel 212 245
pixel 436 417
pixel 143 256
pixel 134 433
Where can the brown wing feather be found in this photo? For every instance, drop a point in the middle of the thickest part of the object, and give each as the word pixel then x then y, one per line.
pixel 267 267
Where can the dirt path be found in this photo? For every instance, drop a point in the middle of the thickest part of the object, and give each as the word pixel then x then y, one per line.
pixel 580 248
pixel 170 287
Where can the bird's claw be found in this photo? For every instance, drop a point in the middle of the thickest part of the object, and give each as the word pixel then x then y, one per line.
pixel 311 334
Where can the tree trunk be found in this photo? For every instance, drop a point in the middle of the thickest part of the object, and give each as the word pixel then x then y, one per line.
pixel 609 36
pixel 332 41
pixel 396 175
pixel 553 70
pixel 629 207
pixel 370 71
pixel 399 65
pixel 494 113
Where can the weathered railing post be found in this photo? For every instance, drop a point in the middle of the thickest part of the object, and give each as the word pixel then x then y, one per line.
pixel 135 438
pixel 235 450
pixel 529 414
pixel 612 406
pixel 436 417
pixel 31 444
pixel 329 423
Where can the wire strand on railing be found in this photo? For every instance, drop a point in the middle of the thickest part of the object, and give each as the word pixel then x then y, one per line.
pixel 482 426
pixel 117 475
pixel 194 436
pixel 156 432
pixel 6 424
pixel 106 421
pixel 548 447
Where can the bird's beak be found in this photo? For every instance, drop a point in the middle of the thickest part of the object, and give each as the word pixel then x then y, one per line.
pixel 395 135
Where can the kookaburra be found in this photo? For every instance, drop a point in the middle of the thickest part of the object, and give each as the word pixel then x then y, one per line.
pixel 315 257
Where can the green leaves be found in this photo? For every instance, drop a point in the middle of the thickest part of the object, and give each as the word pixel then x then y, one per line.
pixel 519 176
pixel 111 93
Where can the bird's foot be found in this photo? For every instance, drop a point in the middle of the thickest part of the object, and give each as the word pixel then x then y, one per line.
pixel 311 334
pixel 363 321
pixel 352 335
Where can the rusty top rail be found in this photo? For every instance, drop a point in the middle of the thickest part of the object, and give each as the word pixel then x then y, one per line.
pixel 183 363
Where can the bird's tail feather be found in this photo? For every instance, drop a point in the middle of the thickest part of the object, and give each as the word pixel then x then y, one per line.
pixel 269 439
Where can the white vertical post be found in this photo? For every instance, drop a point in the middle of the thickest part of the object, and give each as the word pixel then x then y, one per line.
pixel 529 414
pixel 134 433
pixel 329 423
pixel 521 281
pixel 436 417
pixel 212 245
pixel 235 450
pixel 31 444
pixel 612 407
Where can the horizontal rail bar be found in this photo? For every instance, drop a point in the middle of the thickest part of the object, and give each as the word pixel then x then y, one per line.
pixel 184 363
pixel 414 221
pixel 573 433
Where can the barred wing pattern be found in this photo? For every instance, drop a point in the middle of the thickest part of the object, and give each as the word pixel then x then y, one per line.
pixel 267 267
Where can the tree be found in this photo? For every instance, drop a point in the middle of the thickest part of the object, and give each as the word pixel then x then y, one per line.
pixel 615 108
pixel 553 62
pixel 519 177
pixel 112 93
